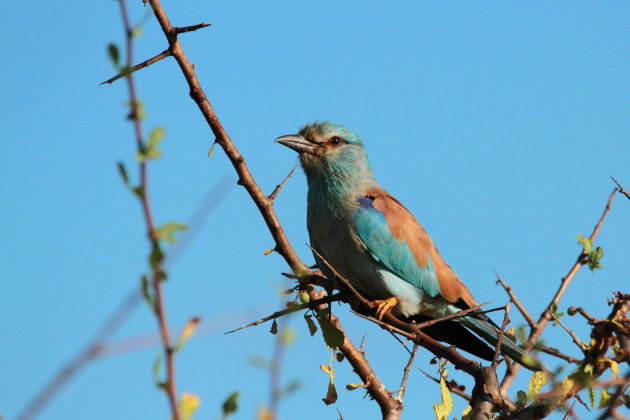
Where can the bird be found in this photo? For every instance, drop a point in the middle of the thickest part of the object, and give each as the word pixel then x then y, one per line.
pixel 360 231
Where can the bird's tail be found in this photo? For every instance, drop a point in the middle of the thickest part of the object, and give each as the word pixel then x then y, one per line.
pixel 508 347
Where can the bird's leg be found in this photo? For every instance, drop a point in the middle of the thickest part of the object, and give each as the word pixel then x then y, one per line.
pixel 384 306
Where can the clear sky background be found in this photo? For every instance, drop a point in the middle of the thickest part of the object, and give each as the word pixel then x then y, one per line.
pixel 498 124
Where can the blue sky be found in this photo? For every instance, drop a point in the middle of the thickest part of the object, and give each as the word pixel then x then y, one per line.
pixel 498 124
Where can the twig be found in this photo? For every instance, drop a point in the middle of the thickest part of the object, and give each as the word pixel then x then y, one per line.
pixel 290 309
pixel 156 268
pixel 403 383
pixel 500 334
pixel 555 352
pixel 453 386
pixel 569 411
pixel 540 326
pixel 513 298
pixel 275 192
pixel 89 353
pixel 621 189
pixel 146 63
pixel 458 314
pixel 184 29
pixel 591 319
pixel 576 340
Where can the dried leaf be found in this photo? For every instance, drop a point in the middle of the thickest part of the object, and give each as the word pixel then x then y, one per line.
pixel 274 327
pixel 312 328
pixel 187 332
pixel 332 336
pixel 444 409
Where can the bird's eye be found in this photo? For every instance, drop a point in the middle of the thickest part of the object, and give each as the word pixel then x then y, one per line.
pixel 336 140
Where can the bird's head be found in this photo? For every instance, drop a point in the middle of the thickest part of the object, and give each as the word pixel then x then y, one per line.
pixel 331 152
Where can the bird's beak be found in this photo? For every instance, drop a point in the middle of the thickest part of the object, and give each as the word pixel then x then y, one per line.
pixel 297 143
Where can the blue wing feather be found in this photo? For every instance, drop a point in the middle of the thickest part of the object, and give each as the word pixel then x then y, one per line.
pixel 395 255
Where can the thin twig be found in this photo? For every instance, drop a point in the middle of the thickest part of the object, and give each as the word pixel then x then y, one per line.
pixel 275 192
pixel 542 322
pixel 622 190
pixel 555 352
pixel 514 299
pixel 403 383
pixel 591 319
pixel 569 411
pixel 452 386
pixel 146 63
pixel 291 309
pixel 156 268
pixel 500 334
pixel 576 340
pixel 184 29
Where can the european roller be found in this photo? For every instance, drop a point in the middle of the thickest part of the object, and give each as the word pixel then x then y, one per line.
pixel 374 242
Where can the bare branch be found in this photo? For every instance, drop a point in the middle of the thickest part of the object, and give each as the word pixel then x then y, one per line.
pixel 514 299
pixel 452 386
pixel 184 29
pixel 501 333
pixel 576 340
pixel 591 319
pixel 403 383
pixel 621 189
pixel 275 192
pixel 146 63
pixel 291 309
pixel 555 352
pixel 542 322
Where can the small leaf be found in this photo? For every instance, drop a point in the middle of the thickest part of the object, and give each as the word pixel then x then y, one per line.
pixel 211 151
pixel 444 409
pixel 167 232
pixel 274 327
pixel 156 257
pixel 287 336
pixel 123 173
pixel 352 387
pixel 138 191
pixel 187 332
pixel 155 138
pixel 521 397
pixel 536 382
pixel 188 405
pixel 591 396
pixel 268 251
pixel 114 54
pixel 467 413
pixel 312 328
pixel 339 356
pixel 136 32
pixel 327 369
pixel 331 395
pixel 332 336
pixel 606 398
pixel 155 369
pixel 230 405
pixel 146 291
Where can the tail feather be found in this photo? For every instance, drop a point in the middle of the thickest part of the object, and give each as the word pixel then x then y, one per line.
pixel 508 347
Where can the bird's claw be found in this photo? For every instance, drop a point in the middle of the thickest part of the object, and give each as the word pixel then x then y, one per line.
pixel 384 306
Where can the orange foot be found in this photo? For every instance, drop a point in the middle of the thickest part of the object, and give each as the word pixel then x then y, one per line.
pixel 384 306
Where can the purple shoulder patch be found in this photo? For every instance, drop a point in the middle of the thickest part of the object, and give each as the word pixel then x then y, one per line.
pixel 366 202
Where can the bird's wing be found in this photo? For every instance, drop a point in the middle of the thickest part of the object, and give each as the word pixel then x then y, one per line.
pixel 395 238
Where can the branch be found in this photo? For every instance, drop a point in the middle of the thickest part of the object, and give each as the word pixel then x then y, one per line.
pixel 555 352
pixel 403 383
pixel 184 29
pixel 452 386
pixel 576 340
pixel 621 189
pixel 146 63
pixel 275 192
pixel 542 322
pixel 516 302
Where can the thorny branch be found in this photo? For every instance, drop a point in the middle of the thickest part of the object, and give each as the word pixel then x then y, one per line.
pixel 542 322
pixel 621 189
pixel 514 299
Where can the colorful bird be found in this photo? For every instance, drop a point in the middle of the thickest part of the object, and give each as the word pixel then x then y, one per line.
pixel 374 242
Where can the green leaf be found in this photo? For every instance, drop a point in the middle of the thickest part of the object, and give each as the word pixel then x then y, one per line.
pixel 114 54
pixel 605 400
pixel 585 242
pixel 287 336
pixel 536 382
pixel 312 328
pixel 188 405
pixel 138 191
pixel 146 291
pixel 230 405
pixel 521 397
pixel 167 232
pixel 136 32
pixel 156 137
pixel 444 409
pixel 123 173
pixel 332 336
pixel 591 396
pixel 156 257
pixel 155 369
pixel 211 151
pixel 352 387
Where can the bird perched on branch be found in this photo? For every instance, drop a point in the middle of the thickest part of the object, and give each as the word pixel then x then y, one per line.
pixel 374 242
